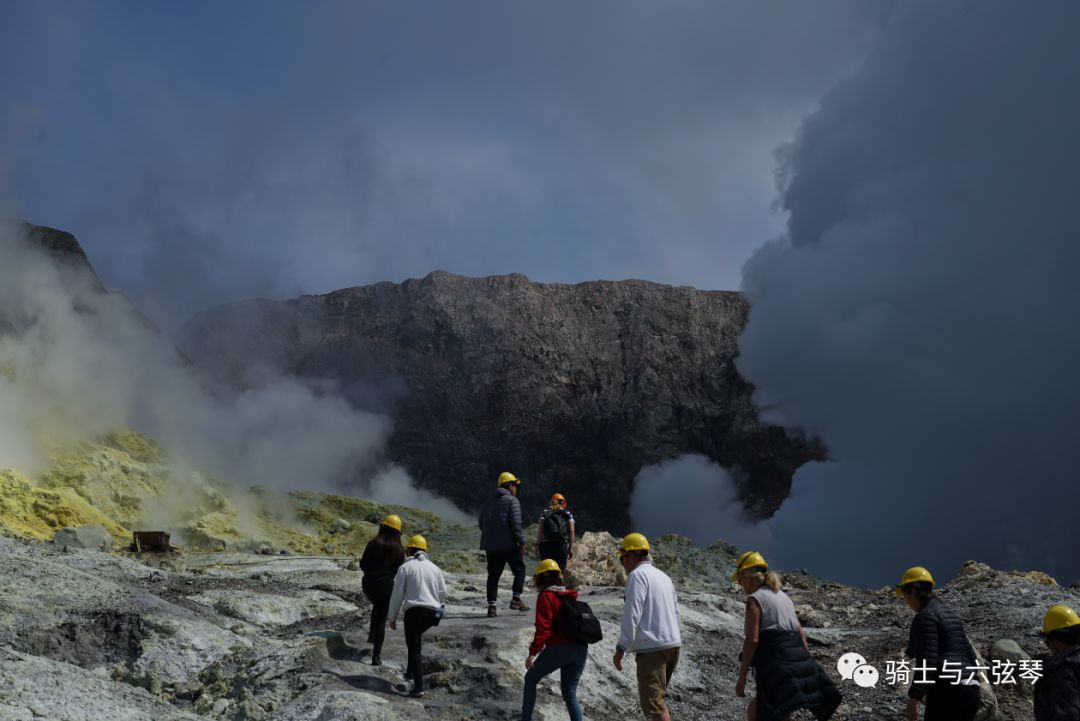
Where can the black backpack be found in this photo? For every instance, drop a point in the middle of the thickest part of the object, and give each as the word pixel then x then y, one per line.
pixel 556 526
pixel 578 621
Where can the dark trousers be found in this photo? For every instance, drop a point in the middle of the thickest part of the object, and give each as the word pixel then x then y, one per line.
pixel 556 551
pixel 951 703
pixel 380 606
pixel 417 620
pixel 496 562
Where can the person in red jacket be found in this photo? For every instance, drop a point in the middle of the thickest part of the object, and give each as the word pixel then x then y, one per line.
pixel 551 650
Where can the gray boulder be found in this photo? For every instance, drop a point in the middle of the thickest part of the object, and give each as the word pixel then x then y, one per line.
pixel 94 537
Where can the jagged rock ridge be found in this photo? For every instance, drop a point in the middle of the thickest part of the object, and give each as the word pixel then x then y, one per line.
pixel 574 387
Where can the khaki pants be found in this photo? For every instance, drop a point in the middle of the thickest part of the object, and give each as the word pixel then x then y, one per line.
pixel 654 671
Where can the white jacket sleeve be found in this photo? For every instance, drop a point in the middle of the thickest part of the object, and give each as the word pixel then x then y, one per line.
pixel 398 595
pixel 632 608
pixel 442 588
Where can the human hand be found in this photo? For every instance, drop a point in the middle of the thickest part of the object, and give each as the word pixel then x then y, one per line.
pixel 529 661
pixel 912 710
pixel 740 687
pixel 617 660
pixel 393 625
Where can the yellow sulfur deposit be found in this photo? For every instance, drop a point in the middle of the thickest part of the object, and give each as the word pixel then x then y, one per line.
pixel 29 511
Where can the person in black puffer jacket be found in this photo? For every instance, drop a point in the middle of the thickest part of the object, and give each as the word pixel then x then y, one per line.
pixel 937 636
pixel 382 557
pixel 1057 693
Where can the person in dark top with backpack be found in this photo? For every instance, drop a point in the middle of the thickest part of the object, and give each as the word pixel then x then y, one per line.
pixel 1057 693
pixel 555 533
pixel 382 557
pixel 937 636
pixel 502 538
pixel 552 648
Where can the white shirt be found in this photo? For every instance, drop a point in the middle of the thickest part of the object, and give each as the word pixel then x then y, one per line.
pixel 418 583
pixel 650 619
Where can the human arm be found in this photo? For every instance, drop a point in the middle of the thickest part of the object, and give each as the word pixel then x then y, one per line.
pixel 633 606
pixel 396 597
pixel 517 530
pixel 751 627
pixel 546 604
pixel 440 588
pixel 570 544
pixel 925 648
pixel 540 533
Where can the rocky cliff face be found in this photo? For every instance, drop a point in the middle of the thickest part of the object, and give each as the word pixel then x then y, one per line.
pixel 572 387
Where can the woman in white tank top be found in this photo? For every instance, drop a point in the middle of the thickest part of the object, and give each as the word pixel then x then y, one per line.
pixel 787 677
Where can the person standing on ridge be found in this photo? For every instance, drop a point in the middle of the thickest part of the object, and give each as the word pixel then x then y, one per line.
pixel 502 538
pixel 383 555
pixel 419 591
pixel 1057 693
pixel 555 532
pixel 557 651
pixel 937 636
pixel 650 626
pixel 788 677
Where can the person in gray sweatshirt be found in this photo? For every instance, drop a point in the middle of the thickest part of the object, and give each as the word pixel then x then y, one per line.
pixel 419 592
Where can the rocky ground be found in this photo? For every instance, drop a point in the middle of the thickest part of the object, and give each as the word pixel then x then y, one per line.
pixel 88 635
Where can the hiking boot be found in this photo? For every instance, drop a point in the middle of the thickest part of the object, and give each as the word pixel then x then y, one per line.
pixel 417 693
pixel 376 660
pixel 518 605
pixel 492 613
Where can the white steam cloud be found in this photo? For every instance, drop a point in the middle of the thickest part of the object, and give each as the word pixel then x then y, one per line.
pixel 920 315
pixel 76 363
pixel 692 496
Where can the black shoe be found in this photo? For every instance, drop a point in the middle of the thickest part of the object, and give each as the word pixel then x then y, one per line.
pixel 376 660
pixel 492 613
pixel 417 693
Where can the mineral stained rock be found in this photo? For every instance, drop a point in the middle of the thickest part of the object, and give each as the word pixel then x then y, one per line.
pixel 572 387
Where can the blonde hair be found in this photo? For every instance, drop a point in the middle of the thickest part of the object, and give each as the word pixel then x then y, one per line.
pixel 765 578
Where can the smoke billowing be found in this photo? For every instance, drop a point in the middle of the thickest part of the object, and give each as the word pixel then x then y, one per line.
pixel 693 497
pixel 76 363
pixel 921 313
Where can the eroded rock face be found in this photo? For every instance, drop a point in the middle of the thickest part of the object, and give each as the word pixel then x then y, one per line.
pixel 572 387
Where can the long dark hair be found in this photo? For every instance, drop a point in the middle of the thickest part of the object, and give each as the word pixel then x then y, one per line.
pixel 389 539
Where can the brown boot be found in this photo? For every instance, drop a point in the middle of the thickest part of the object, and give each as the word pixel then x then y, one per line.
pixel 517 604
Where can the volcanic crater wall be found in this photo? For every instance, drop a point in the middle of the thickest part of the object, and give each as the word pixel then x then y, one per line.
pixel 572 387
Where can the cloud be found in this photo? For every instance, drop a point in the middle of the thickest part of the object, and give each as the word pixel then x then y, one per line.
pixel 692 496
pixel 294 152
pixel 919 313
pixel 76 363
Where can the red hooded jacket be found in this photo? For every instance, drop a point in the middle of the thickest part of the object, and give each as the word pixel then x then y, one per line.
pixel 549 619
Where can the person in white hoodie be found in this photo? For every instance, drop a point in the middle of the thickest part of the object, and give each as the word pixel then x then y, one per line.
pixel 650 626
pixel 419 592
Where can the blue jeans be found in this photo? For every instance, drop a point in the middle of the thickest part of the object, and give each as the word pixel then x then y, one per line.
pixel 569 660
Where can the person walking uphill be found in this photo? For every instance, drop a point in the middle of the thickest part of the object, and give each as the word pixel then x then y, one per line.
pixel 557 651
pixel 419 591
pixel 650 626
pixel 937 636
pixel 502 538
pixel 788 678
pixel 555 532
pixel 382 557
pixel 1057 694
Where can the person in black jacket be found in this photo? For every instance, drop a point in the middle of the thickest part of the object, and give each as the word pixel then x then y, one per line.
pixel 382 557
pixel 937 638
pixel 1057 693
pixel 502 538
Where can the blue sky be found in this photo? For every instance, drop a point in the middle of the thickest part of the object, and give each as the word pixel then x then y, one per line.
pixel 206 151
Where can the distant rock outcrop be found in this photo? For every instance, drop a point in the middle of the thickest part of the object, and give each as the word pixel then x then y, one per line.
pixel 573 387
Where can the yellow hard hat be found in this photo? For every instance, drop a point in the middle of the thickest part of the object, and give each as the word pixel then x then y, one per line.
pixel 557 497
pixel 393 521
pixel 634 542
pixel 418 542
pixel 1059 617
pixel 915 574
pixel 748 560
pixel 507 477
pixel 546 566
